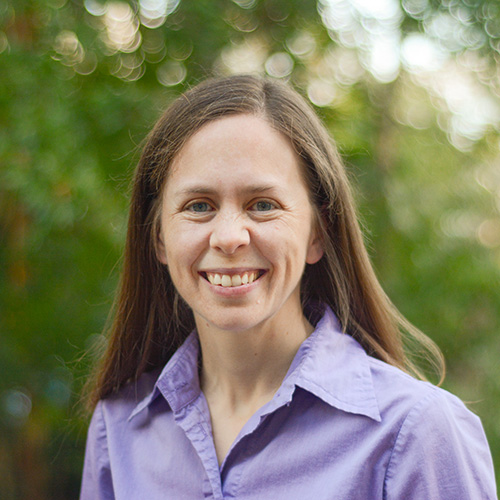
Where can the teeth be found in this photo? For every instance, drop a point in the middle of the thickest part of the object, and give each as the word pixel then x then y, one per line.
pixel 226 280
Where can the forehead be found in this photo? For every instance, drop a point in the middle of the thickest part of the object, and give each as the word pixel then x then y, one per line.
pixel 240 148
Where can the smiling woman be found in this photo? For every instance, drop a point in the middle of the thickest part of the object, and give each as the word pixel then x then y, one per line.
pixel 253 353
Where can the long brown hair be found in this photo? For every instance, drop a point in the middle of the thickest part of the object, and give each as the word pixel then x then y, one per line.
pixel 150 321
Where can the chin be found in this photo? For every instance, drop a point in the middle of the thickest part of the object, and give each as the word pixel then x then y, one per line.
pixel 231 322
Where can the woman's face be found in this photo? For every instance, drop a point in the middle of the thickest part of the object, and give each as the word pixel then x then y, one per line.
pixel 236 225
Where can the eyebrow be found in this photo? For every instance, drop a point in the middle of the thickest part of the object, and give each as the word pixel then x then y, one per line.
pixel 252 189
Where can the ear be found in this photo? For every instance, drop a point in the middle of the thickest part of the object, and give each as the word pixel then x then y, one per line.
pixel 315 249
pixel 161 253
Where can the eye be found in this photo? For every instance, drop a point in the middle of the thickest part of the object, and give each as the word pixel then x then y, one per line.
pixel 199 207
pixel 263 206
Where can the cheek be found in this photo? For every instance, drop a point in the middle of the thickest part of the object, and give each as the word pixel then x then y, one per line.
pixel 283 244
pixel 184 244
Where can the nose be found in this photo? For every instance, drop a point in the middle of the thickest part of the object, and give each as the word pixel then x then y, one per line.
pixel 229 233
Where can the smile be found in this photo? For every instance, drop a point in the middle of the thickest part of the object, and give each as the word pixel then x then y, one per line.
pixel 232 280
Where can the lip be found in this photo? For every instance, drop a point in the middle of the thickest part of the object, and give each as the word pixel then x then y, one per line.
pixel 231 271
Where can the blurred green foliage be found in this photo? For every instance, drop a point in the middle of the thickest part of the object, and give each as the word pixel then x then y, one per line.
pixel 81 83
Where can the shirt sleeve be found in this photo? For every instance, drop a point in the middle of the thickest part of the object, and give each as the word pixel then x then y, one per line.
pixel 441 453
pixel 97 482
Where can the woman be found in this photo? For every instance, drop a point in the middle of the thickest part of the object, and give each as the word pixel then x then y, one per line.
pixel 253 353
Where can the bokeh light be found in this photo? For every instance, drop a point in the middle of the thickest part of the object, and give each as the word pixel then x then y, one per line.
pixel 153 13
pixel 279 65
pixel 122 28
pixel 171 73
pixel 17 406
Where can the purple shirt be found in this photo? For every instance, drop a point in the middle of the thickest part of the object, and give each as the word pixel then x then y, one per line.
pixel 342 426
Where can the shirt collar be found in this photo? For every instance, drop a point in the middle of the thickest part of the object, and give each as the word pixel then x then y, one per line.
pixel 329 364
pixel 179 381
pixel 335 368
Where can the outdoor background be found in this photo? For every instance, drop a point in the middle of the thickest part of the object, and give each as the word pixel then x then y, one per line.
pixel 410 91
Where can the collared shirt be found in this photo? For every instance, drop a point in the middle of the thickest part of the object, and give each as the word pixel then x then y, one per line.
pixel 342 425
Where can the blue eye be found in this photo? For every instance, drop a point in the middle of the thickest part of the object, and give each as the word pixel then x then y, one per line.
pixel 200 207
pixel 263 206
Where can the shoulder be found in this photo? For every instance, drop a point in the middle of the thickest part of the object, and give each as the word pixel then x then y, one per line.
pixel 439 448
pixel 397 390
pixel 418 408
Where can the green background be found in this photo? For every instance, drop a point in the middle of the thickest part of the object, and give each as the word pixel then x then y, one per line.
pixel 81 83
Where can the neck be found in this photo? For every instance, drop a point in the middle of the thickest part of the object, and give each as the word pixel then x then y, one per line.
pixel 244 369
